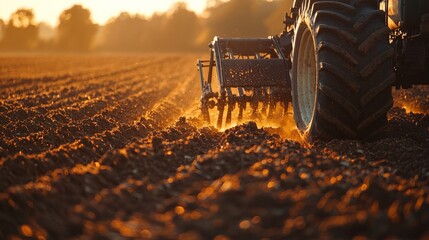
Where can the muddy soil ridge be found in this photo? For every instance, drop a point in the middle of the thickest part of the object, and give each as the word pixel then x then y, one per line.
pixel 110 147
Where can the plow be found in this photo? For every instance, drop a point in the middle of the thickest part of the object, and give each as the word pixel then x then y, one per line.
pixel 251 73
pixel 335 63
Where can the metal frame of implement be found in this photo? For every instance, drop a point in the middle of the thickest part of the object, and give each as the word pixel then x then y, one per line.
pixel 251 70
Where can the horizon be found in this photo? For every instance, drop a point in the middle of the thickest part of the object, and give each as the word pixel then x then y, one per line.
pixel 102 11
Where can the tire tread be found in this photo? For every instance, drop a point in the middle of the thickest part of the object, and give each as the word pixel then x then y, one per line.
pixel 354 77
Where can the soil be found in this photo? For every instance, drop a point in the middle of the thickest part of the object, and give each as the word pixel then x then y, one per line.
pixel 110 147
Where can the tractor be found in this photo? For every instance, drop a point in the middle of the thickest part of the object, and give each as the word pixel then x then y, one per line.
pixel 335 62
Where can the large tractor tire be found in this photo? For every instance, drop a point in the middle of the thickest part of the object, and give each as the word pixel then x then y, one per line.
pixel 342 69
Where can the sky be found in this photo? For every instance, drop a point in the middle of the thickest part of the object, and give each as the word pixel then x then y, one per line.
pixel 102 10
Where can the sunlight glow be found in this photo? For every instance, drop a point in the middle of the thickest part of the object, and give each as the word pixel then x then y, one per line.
pixel 102 10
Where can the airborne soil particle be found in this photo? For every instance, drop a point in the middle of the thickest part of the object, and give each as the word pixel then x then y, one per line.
pixel 113 149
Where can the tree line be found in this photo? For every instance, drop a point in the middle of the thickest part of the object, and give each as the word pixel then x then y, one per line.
pixel 179 29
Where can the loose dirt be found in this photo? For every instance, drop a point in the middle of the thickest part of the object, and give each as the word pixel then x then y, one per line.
pixel 110 147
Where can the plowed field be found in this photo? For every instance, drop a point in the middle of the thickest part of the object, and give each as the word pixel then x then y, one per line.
pixel 110 147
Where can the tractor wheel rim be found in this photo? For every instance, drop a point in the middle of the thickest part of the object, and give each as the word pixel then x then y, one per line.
pixel 306 78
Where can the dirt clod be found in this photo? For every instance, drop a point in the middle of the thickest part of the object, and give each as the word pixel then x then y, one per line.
pixel 116 150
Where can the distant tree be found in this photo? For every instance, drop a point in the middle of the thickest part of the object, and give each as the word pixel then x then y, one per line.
pixel 20 33
pixel 182 28
pixel 124 33
pixel 1 29
pixel 155 38
pixel 240 18
pixel 76 31
pixel 175 30
pixel 46 37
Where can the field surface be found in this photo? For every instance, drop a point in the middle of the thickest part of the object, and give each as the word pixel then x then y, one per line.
pixel 110 147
